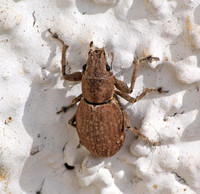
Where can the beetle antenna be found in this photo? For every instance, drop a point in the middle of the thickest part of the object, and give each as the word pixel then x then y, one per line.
pixel 112 55
pixel 91 44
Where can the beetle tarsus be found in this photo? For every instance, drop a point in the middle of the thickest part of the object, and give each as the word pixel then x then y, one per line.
pixel 160 90
pixel 148 58
pixel 153 143
pixel 63 109
pixel 58 112
pixel 53 34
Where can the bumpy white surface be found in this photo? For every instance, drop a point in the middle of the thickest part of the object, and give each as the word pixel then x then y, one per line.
pixel 32 136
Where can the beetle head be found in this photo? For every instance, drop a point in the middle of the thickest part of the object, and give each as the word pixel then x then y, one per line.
pixel 97 65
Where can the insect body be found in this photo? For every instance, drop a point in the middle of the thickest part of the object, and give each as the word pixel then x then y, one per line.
pixel 100 120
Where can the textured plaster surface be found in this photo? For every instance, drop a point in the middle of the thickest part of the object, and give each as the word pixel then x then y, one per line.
pixel 32 136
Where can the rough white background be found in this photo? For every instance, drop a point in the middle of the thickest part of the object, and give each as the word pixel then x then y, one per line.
pixel 32 136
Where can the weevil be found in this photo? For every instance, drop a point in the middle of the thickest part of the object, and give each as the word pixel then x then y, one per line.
pixel 100 120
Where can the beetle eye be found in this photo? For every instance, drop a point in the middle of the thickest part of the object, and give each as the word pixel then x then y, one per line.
pixel 107 67
pixel 84 67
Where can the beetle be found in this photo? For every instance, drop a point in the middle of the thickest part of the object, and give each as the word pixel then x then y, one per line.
pixel 100 119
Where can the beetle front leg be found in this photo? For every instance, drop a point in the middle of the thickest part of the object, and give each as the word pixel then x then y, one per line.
pixel 74 101
pixel 77 76
pixel 122 86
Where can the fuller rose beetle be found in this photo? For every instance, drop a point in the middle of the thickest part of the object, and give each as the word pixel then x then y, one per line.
pixel 100 119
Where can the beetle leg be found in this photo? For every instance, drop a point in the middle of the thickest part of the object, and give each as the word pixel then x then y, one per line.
pixel 74 101
pixel 146 91
pixel 122 86
pixel 125 96
pixel 72 121
pixel 77 76
pixel 112 55
pixel 134 130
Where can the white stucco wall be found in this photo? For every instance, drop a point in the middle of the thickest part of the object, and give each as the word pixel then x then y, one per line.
pixel 32 136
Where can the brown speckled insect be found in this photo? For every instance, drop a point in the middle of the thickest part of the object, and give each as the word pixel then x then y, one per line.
pixel 100 120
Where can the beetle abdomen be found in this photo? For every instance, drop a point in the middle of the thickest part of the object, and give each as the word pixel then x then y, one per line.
pixel 100 128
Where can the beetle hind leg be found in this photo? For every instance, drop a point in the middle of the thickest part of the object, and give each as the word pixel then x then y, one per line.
pixel 128 125
pixel 72 121
pixel 138 133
